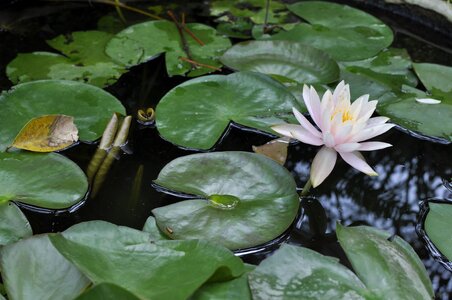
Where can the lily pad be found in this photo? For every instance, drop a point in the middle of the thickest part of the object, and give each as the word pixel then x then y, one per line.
pixel 84 60
pixel 107 291
pixel 240 200
pixel 13 224
pixel 388 71
pixel 426 119
pixel 253 9
pixel 344 32
pixel 22 180
pixel 299 273
pixel 434 76
pixel 235 289
pixel 33 269
pixel 149 269
pixel 151 227
pixel 386 264
pixel 196 113
pixel 90 106
pixel 142 42
pixel 436 224
pixel 298 62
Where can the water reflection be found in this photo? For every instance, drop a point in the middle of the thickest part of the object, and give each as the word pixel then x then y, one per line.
pixel 410 171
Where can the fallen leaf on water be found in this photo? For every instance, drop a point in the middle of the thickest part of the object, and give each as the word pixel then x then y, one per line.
pixel 47 133
pixel 275 149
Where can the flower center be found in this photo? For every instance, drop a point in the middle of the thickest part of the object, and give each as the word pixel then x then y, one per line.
pixel 346 115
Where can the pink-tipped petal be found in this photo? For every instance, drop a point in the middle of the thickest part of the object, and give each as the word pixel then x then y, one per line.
pixel 357 161
pixel 342 134
pixel 347 147
pixel 368 110
pixel 306 137
pixel 322 165
pixel 305 123
pixel 357 105
pixel 377 121
pixel 371 132
pixel 370 146
pixel 312 102
pixel 328 139
pixel 338 90
pixel 285 129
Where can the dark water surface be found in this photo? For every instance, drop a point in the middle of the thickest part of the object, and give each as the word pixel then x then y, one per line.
pixel 410 171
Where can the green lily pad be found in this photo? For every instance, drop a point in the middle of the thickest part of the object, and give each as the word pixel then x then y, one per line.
pixel 436 225
pixel 142 42
pixel 434 76
pixel 90 106
pixel 243 199
pixel 388 71
pixel 22 180
pixel 196 113
pixel 299 273
pixel 84 60
pixel 235 289
pixel 149 269
pixel 344 32
pixel 107 291
pixel 432 120
pixel 253 9
pixel 13 223
pixel 386 264
pixel 151 227
pixel 33 269
pixel 298 62
pixel 239 28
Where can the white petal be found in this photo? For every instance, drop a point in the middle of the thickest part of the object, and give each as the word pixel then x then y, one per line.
pixel 312 102
pixel 367 110
pixel 325 123
pixel 327 103
pixel 306 137
pixel 322 165
pixel 338 90
pixel 370 146
pixel 347 147
pixel 356 160
pixel 328 139
pixel 343 132
pixel 285 129
pixel 428 101
pixel 377 121
pixel 371 132
pixel 305 123
pixel 357 106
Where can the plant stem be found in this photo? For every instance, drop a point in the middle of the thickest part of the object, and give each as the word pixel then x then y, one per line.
pixel 195 63
pixel 306 188
pixel 267 9
pixel 126 7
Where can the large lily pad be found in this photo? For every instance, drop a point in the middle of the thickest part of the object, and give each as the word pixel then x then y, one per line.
pixel 436 225
pixel 13 224
pixel 253 9
pixel 242 199
pixel 298 62
pixel 45 180
pixel 196 113
pixel 386 264
pixel 344 32
pixel 90 106
pixel 107 291
pixel 33 269
pixel 84 60
pixel 432 120
pixel 385 72
pixel 149 269
pixel 142 42
pixel 434 76
pixel 299 273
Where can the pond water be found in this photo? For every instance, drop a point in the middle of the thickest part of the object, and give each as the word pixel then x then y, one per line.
pixel 410 171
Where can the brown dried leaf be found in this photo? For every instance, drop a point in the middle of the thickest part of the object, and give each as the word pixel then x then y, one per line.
pixel 47 133
pixel 275 149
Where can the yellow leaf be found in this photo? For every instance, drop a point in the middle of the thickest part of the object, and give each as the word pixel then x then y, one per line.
pixel 47 133
pixel 275 149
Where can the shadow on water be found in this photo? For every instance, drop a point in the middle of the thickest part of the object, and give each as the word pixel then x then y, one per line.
pixel 409 172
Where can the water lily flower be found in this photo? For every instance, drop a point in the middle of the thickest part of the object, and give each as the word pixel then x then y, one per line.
pixel 341 127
